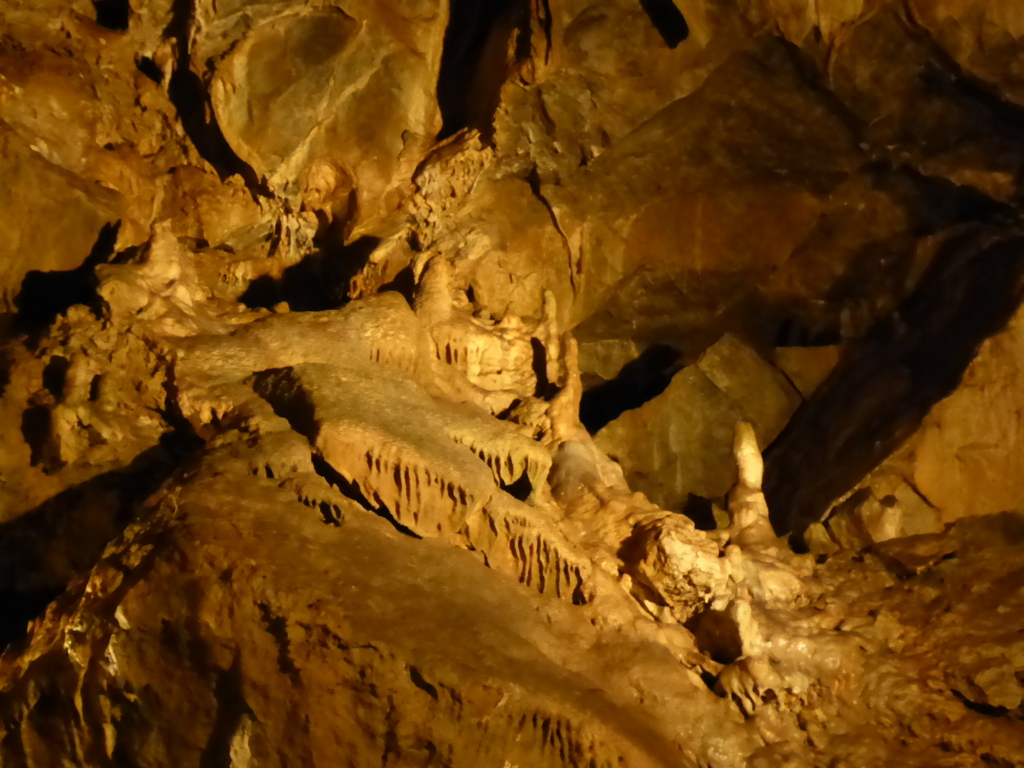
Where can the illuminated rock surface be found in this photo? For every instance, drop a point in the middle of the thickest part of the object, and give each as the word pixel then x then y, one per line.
pixel 386 383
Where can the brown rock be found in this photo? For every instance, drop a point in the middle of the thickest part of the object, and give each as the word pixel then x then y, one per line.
pixel 984 39
pixel 291 408
pixel 430 653
pixel 300 91
pixel 680 443
pixel 806 367
pixel 967 456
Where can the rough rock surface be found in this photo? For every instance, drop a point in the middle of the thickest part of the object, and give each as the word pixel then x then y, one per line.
pixel 386 383
pixel 679 443
pixel 965 458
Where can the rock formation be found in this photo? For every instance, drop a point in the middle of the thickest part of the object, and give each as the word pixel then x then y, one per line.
pixel 525 383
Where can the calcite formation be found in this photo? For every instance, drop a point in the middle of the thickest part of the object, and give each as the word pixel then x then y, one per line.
pixel 521 383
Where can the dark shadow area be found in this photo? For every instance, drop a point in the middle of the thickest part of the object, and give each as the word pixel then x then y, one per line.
pixel 149 68
pixel 716 635
pixel 886 383
pixel 710 681
pixel 95 388
pixel 404 283
pixel 544 389
pixel 5 371
pixel 35 429
pixel 882 274
pixel 793 332
pixel 974 96
pixel 418 680
pixel 935 203
pixel 45 295
pixel 319 282
pixel 181 445
pixel 188 95
pixel 42 550
pixel 287 399
pixel 668 20
pixel 700 511
pixel 474 63
pixel 352 490
pixel 231 709
pixel 55 376
pixel 543 11
pixel 112 14
pixel 277 627
pixel 20 607
pixel 639 381
pixel 988 710
pixel 336 479
pixel 521 488
pixel 331 513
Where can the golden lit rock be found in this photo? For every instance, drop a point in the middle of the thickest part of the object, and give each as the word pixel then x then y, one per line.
pixel 623 383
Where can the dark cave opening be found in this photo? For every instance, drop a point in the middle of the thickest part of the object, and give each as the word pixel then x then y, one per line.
pixel 404 283
pixel 148 67
pixel 55 376
pixel 35 428
pixel 668 20
pixel 474 63
pixel 639 381
pixel 716 635
pixel 113 14
pixel 521 488
pixel 701 511
pixel 45 295
pixel 318 282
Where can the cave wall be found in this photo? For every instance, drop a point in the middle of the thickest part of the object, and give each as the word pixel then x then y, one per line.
pixel 537 382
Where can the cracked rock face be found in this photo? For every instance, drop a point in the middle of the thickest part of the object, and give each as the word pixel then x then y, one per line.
pixel 520 383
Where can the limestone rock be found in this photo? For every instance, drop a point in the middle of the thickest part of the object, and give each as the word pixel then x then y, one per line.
pixel 678 565
pixel 81 210
pixel 680 443
pixel 606 357
pixel 806 367
pixel 329 103
pixel 967 455
pixel 885 386
pixel 88 402
pixel 373 649
pixel 984 39
pixel 294 454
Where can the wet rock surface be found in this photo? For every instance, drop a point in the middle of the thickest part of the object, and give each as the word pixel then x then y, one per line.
pixel 549 383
